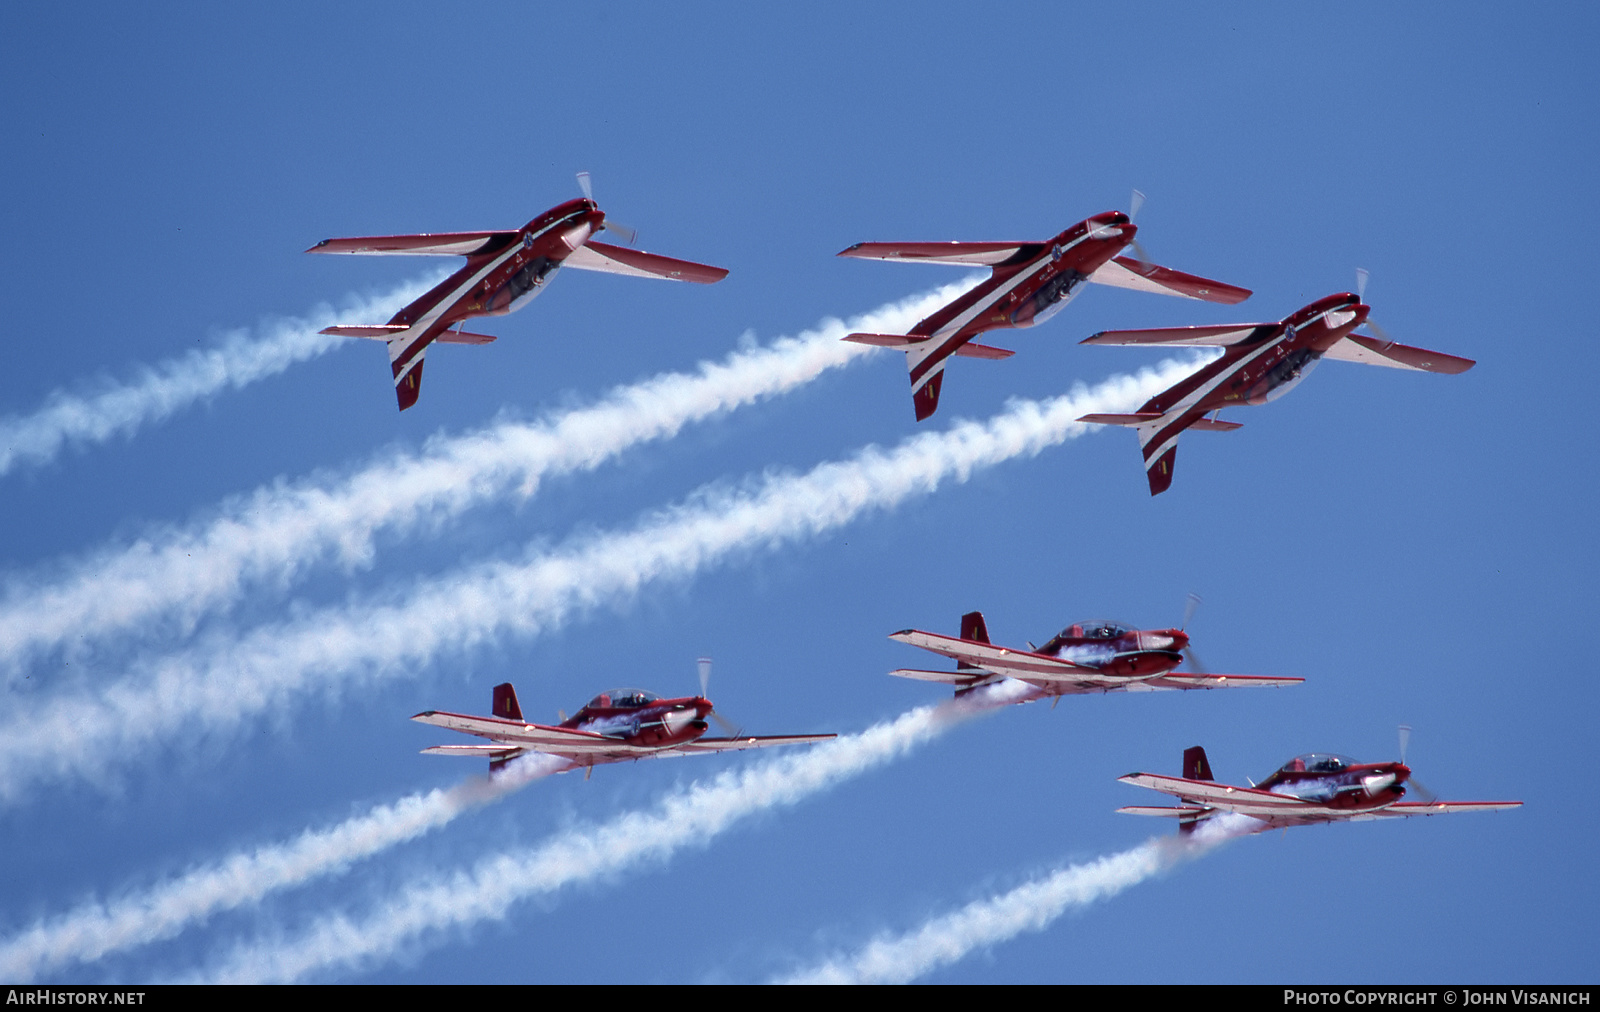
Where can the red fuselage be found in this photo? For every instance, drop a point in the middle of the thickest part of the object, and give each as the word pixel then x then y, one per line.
pixel 1267 364
pixel 643 719
pixel 504 274
pixel 1339 783
pixel 1115 649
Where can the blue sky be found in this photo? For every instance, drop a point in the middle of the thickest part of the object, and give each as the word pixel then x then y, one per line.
pixel 1419 548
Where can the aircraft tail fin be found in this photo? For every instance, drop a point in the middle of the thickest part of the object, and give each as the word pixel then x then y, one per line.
pixel 1158 439
pixel 1195 767
pixel 972 628
pixel 407 372
pixel 505 702
pixel 925 398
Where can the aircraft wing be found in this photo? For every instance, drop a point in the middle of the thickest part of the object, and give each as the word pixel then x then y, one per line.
pixel 1204 337
pixel 514 734
pixel 1190 680
pixel 1244 800
pixel 1403 808
pixel 599 256
pixel 700 745
pixel 427 244
pixel 974 254
pixel 992 659
pixel 1126 272
pixel 1371 351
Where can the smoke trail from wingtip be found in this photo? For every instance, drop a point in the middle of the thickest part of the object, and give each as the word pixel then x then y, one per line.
pixel 1030 907
pixel 488 890
pixel 172 385
pixel 278 531
pixel 95 929
pixel 217 685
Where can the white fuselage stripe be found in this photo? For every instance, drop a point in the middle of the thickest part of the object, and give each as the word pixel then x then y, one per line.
pixel 937 342
pixel 1194 397
pixel 401 345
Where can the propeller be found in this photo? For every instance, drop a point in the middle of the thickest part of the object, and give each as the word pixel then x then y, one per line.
pixel 623 232
pixel 1361 293
pixel 1422 791
pixel 733 730
pixel 1189 608
pixel 1135 202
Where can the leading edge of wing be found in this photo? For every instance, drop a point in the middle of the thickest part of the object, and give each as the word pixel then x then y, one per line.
pixel 974 254
pixel 1126 272
pixel 425 244
pixel 599 256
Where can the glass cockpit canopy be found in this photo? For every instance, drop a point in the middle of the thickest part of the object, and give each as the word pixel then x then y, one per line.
pixel 622 699
pixel 1317 762
pixel 1096 629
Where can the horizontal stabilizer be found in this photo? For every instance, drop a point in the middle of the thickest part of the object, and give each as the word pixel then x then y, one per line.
pixel 472 751
pixel 1129 420
pixel 599 256
pixel 1371 351
pixel 948 677
pixel 379 333
pixel 1191 337
pixel 463 337
pixel 1126 272
pixel 974 254
pixel 427 244
pixel 904 341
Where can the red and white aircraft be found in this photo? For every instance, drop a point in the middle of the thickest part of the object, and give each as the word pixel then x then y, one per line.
pixel 1029 282
pixel 1262 362
pixel 504 271
pixel 1085 657
pixel 1308 789
pixel 616 726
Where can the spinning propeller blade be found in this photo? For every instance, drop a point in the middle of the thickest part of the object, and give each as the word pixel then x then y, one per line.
pixel 733 730
pixel 627 234
pixel 1421 790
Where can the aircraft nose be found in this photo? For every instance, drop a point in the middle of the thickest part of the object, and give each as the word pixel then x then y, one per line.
pixel 1402 773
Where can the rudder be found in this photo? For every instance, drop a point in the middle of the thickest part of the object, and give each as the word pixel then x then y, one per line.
pixel 505 702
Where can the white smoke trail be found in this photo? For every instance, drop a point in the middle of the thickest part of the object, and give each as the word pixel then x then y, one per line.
pixel 169 386
pixel 1030 907
pixel 215 686
pixel 276 532
pixel 688 818
pixel 94 930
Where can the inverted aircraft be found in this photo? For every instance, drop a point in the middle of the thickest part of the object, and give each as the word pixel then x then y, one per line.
pixel 1029 282
pixel 503 272
pixel 1312 788
pixel 615 726
pixel 1098 656
pixel 1262 362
